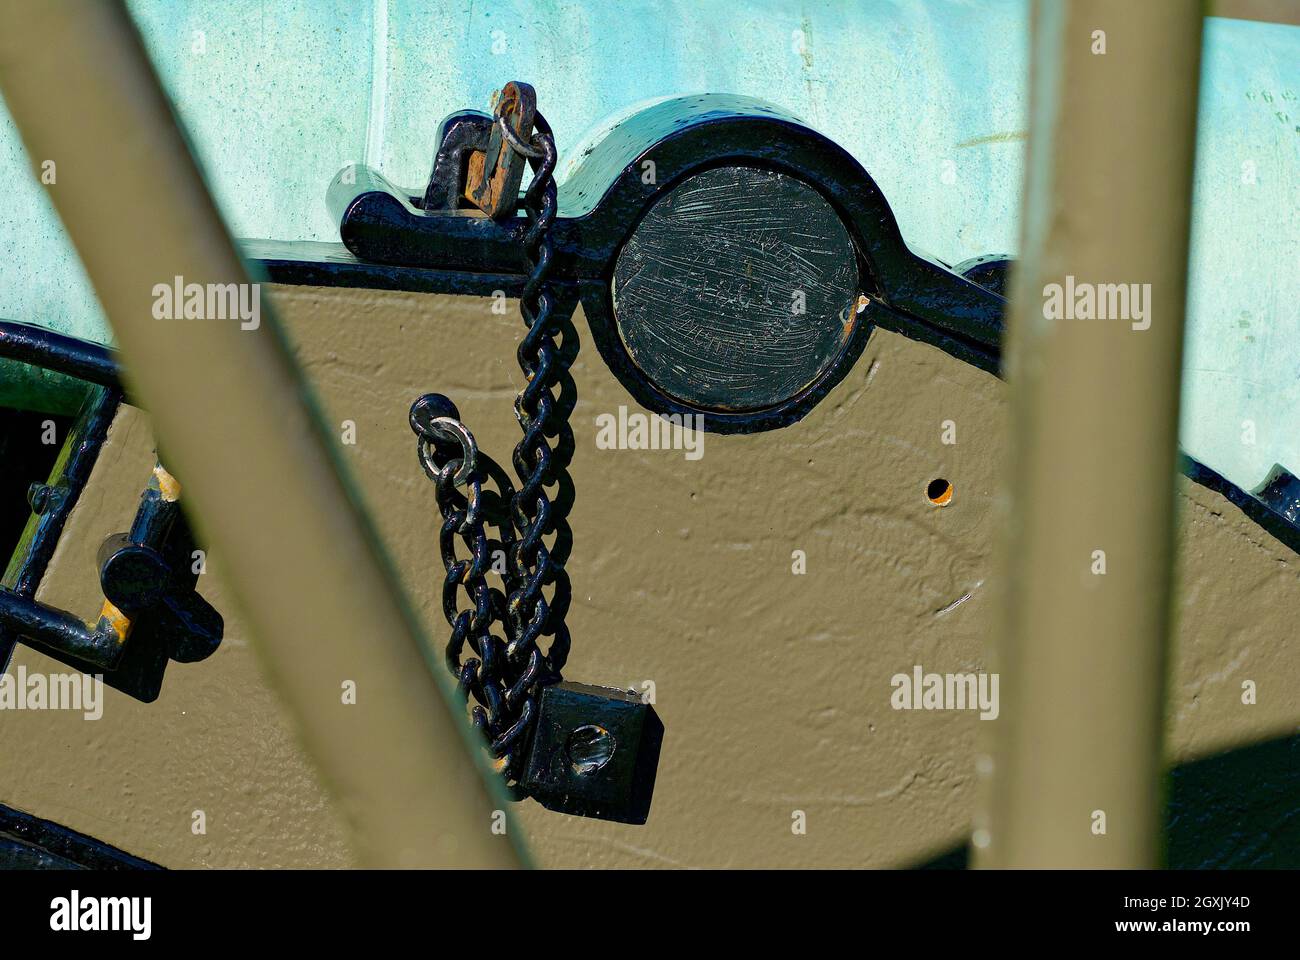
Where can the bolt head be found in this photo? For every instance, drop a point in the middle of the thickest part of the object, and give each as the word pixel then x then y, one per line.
pixel 595 753
pixel 590 747
pixel 40 496
pixel 428 408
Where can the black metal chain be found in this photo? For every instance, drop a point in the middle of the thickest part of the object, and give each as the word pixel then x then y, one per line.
pixel 540 414
pixel 506 674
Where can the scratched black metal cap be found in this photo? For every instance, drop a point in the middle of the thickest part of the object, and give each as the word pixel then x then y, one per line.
pixel 737 291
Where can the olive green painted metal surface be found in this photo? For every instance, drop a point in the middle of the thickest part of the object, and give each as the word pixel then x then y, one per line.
pixel 774 687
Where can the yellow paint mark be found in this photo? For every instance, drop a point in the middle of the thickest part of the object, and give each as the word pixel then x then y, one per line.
pixel 1009 137
pixel 168 485
pixel 116 619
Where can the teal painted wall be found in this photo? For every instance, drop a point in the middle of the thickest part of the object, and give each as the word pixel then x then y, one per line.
pixel 1242 360
pixel 929 96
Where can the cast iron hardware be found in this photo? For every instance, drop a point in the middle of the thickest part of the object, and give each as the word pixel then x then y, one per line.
pixel 23 576
pixel 395 239
pixel 493 174
pixel 1281 492
pixel 738 289
pixel 144 594
pixel 404 239
pixel 149 583
pixel 575 748
pixel 146 575
pixel 31 843
pixel 505 676
pixel 991 271
pixel 595 753
pixel 509 677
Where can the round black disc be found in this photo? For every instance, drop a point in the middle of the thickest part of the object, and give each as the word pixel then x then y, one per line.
pixel 737 290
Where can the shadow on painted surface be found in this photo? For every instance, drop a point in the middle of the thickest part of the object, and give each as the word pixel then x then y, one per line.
pixel 1232 811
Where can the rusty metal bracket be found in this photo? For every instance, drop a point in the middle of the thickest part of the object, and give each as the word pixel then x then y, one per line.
pixel 493 174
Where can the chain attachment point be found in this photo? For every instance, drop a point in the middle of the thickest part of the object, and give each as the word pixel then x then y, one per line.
pixel 506 675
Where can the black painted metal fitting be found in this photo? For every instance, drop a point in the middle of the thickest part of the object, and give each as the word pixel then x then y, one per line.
pixel 42 496
pixel 1281 492
pixel 100 646
pixel 595 753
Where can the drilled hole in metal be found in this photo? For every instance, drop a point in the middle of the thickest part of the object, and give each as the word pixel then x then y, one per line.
pixel 590 748
pixel 939 492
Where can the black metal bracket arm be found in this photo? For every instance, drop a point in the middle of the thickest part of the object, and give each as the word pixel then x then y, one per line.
pixel 91 362
pixel 146 582
pixel 612 184
pixel 423 241
pixel 32 843
pixel 47 628
pixel 149 598
pixel 151 613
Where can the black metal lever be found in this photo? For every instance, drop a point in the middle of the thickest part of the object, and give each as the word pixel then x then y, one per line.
pixel 139 579
pixel 145 588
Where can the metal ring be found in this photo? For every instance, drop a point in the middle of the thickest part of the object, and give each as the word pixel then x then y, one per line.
pixel 449 428
pixel 517 145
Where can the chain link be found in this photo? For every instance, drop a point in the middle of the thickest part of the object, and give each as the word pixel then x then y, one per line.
pixel 540 413
pixel 506 672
